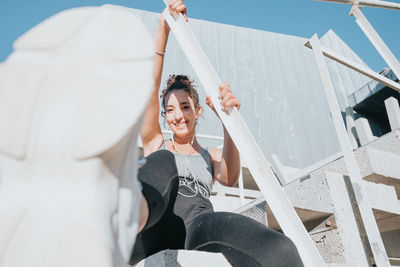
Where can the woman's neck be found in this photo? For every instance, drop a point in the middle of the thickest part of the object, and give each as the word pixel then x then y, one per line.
pixel 187 145
pixel 183 140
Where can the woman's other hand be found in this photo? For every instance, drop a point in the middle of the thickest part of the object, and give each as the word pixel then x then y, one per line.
pixel 176 6
pixel 228 99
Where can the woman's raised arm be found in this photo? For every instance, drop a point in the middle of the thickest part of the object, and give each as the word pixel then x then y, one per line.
pixel 151 135
pixel 226 162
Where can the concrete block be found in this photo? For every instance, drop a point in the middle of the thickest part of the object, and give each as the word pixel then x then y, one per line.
pixel 348 229
pixel 184 258
pixel 310 192
pixel 364 131
pixel 257 210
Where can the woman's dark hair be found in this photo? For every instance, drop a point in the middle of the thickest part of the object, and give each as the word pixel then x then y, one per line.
pixel 179 82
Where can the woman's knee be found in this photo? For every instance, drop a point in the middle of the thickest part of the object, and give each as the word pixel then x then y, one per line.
pixel 285 246
pixel 160 168
pixel 159 178
pixel 285 251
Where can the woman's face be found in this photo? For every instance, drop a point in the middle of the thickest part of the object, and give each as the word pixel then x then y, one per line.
pixel 181 113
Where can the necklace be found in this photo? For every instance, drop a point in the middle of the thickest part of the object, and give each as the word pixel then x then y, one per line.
pixel 187 150
pixel 186 157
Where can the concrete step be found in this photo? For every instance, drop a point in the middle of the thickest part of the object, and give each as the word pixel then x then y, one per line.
pixel 324 211
pixel 184 258
pixel 383 199
pixel 378 161
pixel 261 212
pixel 384 168
pixel 385 206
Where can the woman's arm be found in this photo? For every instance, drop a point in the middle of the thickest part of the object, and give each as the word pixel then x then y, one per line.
pixel 151 135
pixel 226 162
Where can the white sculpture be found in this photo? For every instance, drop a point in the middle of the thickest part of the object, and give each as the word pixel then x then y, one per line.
pixel 72 95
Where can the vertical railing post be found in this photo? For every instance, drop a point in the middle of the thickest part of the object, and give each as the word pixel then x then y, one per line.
pixel 241 187
pixel 370 225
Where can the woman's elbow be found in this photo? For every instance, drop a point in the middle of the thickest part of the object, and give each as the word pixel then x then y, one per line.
pixel 232 179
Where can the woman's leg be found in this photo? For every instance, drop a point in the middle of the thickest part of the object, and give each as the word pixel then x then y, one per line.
pixel 243 241
pixel 159 178
pixel 167 233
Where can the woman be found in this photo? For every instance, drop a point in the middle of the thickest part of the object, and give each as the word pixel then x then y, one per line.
pixel 177 196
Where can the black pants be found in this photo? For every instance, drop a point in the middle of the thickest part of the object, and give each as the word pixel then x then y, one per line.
pixel 176 222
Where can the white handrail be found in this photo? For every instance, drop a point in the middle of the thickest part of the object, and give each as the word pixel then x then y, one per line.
pixel 205 136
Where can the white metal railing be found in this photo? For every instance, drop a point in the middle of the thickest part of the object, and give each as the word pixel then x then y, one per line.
pixel 370 3
pixel 357 67
pixel 363 129
pixel 286 176
pixel 370 32
pixel 204 136
pixel 375 39
pixel 368 219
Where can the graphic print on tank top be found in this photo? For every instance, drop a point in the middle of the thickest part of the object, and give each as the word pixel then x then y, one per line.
pixel 195 173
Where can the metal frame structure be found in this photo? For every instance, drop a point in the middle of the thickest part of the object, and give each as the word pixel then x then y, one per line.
pixel 246 144
pixel 286 178
pixel 357 67
pixel 370 32
pixel 370 225
pixel 370 3
pixel 319 51
pixel 376 40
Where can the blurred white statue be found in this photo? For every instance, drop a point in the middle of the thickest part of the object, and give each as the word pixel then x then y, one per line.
pixel 72 95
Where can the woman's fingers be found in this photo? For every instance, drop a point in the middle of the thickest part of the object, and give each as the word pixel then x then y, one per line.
pixel 209 103
pixel 176 6
pixel 172 3
pixel 228 99
pixel 231 102
pixel 183 10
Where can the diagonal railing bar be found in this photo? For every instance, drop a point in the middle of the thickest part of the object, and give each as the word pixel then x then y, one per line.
pixel 358 67
pixel 370 225
pixel 246 144
pixel 369 3
pixel 376 40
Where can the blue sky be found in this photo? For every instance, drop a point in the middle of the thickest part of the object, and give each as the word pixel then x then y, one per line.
pixel 296 17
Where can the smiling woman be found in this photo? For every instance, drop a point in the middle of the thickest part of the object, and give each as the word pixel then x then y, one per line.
pixel 181 108
pixel 179 174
